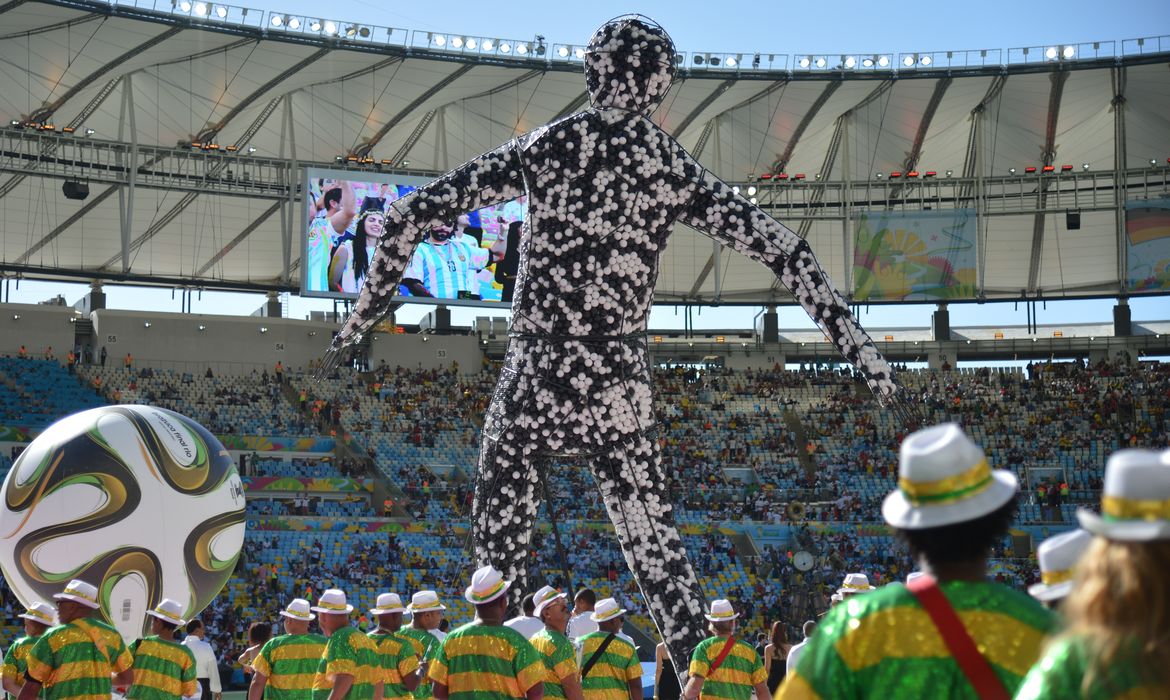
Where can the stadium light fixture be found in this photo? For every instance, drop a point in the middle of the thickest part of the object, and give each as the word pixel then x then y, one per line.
pixel 146 324
pixel 90 132
pixel 1084 166
pixel 276 20
pixel 505 47
pixel 732 61
pixel 820 62
pixel 867 63
pixel 315 26
pixel 579 53
pixel 294 23
pixel 908 61
pixel 221 11
pixel 1051 53
pixel 489 45
pixel 1153 161
pixel 202 327
pixel 563 51
pixel 201 9
pixel 522 49
pixel 698 59
pixel 350 32
pixel 263 329
pixel 15 317
pixel 330 27
pixel 1068 52
pixel 878 176
pixel 883 61
pixel 752 191
pixel 251 149
pixel 456 42
pixel 1011 171
pixel 185 6
pixel 925 61
pixel 804 61
pixel 850 62
pixel 713 60
pixel 470 43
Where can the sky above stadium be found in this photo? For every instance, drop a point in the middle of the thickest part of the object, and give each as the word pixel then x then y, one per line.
pixel 777 27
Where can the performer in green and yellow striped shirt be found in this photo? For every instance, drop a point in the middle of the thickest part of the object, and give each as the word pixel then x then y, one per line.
pixel 617 673
pixel 426 612
pixel 396 655
pixel 37 620
pixel 950 508
pixel 562 677
pixel 348 668
pixel 720 672
pixel 286 665
pixel 484 660
pixel 80 659
pixel 163 668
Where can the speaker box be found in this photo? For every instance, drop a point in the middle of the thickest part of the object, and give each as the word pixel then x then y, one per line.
pixel 75 190
pixel 1072 220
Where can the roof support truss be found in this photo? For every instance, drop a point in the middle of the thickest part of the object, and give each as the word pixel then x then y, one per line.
pixel 1059 78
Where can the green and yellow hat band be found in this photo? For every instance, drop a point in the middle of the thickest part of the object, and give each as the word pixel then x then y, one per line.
pixel 481 596
pixel 1117 508
pixel 953 488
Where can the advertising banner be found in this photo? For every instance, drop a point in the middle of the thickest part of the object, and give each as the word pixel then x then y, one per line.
pixel 915 255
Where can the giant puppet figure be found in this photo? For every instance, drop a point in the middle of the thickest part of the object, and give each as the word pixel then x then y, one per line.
pixel 605 188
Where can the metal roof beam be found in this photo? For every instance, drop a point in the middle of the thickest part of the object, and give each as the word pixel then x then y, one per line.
pixel 365 148
pixel 64 225
pixel 694 114
pixel 256 223
pixel 1047 155
pixel 572 107
pixel 782 161
pixel 911 162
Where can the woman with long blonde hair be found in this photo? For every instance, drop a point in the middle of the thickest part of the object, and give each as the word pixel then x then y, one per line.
pixel 1117 642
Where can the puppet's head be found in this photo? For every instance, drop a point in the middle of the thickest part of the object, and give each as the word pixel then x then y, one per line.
pixel 629 64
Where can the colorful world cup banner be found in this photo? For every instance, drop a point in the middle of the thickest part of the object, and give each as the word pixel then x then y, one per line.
pixel 1147 239
pixel 277 443
pixel 297 483
pixel 915 255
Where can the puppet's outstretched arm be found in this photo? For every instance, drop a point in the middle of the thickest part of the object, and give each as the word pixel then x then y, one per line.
pixel 718 211
pixel 490 179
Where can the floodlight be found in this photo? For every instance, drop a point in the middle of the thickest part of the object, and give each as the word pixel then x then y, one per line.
pixel 89 132
pixel 883 61
pixel 1050 53
pixel 489 45
pixel 579 52
pixel 330 27
pixel 521 49
pixel 821 61
pixel 1153 161
pixel 294 22
pixel 277 20
pixel 251 149
pixel 850 62
pixel 752 191
pixel 505 47
pixel 364 32
pixel 753 200
pixel 949 173
pixel 925 61
pixel 563 51
pixel 1069 51
pixel 350 32
pixel 867 63
pixel 908 61
pixel 185 6
pixel 1012 171
pixel 202 327
pixel 221 11
pixel 456 42
pixel 804 61
pixel 263 329
pixel 732 62
pixel 146 324
pixel 200 9
pixel 1084 166
pixel 714 60
pixel 470 43
pixel 315 26
pixel 698 59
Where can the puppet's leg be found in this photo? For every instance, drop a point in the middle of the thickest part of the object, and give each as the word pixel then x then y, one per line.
pixel 506 498
pixel 634 488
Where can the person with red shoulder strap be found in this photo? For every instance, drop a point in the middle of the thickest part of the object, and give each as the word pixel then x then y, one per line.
pixel 723 666
pixel 951 633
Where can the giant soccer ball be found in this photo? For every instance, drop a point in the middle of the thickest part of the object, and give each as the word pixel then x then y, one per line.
pixel 139 501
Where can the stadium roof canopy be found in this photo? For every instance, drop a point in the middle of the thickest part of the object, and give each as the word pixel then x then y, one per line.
pixel 114 95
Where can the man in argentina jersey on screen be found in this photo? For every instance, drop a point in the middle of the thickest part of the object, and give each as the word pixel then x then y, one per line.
pixel 440 268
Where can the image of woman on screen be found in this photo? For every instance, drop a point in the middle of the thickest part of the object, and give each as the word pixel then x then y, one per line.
pixel 351 259
pixel 440 268
pixel 338 206
pixel 507 268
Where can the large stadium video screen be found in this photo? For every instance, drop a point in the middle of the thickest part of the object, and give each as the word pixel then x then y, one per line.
pixel 473 260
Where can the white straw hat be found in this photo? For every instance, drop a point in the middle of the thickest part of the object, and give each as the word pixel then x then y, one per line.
pixel 298 609
pixel 425 601
pixel 943 479
pixel 1135 503
pixel 854 583
pixel 332 602
pixel 40 612
pixel 487 584
pixel 543 598
pixel 606 609
pixel 80 592
pixel 170 611
pixel 1058 557
pixel 387 603
pixel 721 611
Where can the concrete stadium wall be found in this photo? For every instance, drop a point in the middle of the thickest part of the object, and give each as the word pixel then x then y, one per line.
pixel 238 344
pixel 36 326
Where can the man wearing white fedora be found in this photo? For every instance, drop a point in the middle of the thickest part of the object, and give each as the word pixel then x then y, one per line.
pixel 395 655
pixel 609 661
pixel 287 664
pixel 163 668
pixel 952 633
pixel 484 656
pixel 723 666
pixel 1058 557
pixel 38 618
pixel 562 678
pixel 86 649
pixel 1114 644
pixel 348 668
pixel 426 612
pixel 854 584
